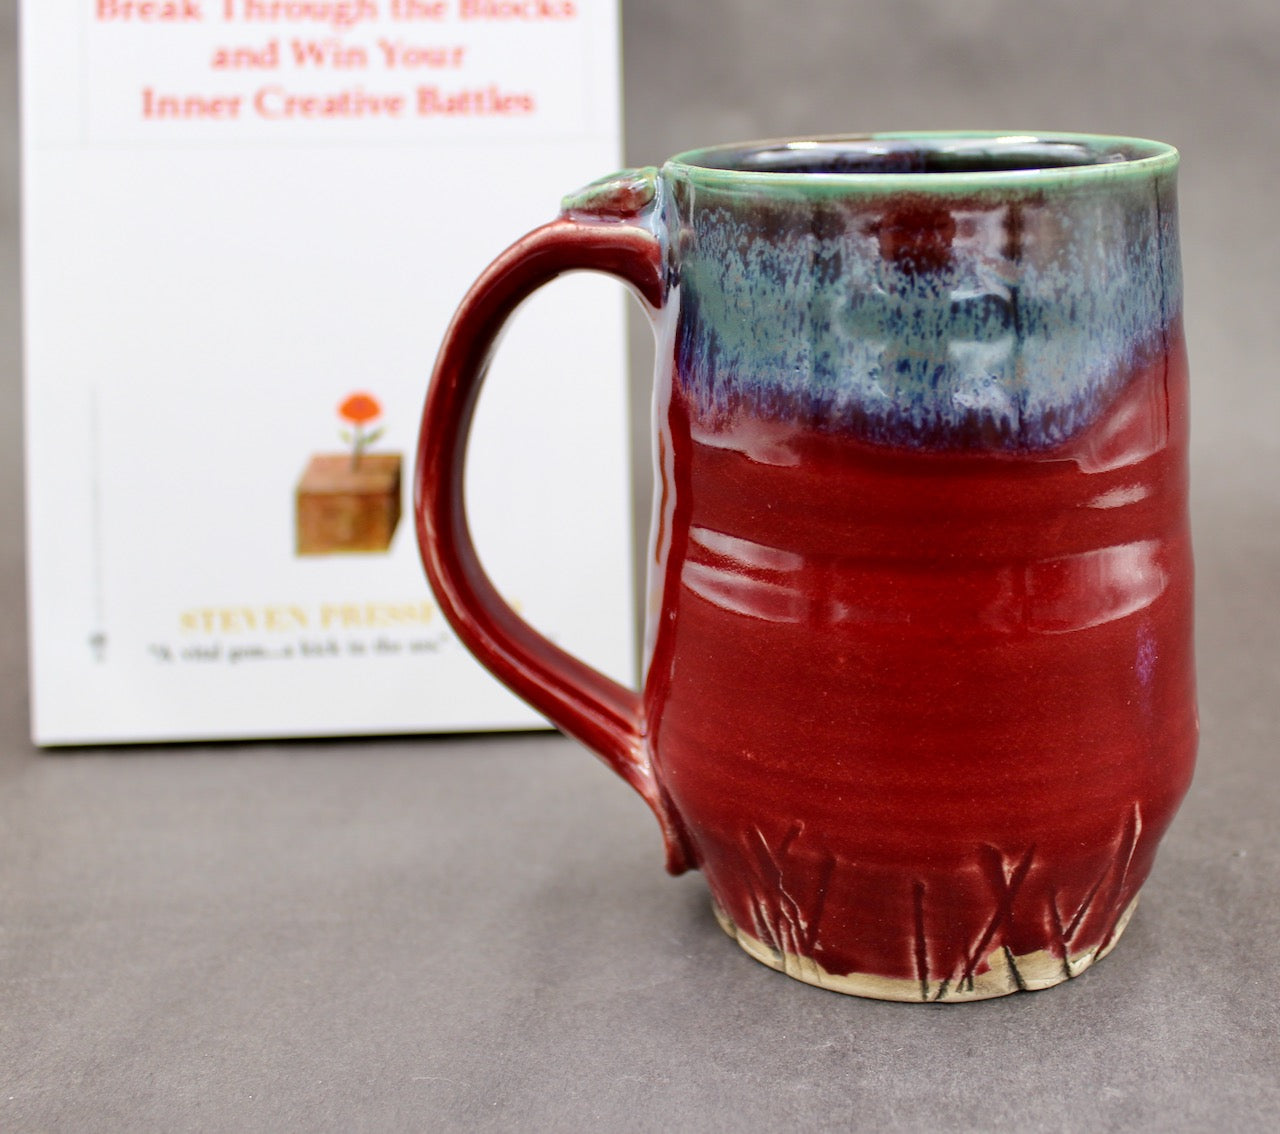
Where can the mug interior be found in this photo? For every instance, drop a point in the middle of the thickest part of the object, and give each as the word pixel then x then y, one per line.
pixel 928 154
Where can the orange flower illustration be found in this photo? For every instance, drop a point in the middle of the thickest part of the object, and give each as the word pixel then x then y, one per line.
pixel 360 409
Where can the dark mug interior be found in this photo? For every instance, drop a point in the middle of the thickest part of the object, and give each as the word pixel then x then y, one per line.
pixel 928 154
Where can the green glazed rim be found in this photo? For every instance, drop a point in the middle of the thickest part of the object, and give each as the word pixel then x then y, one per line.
pixel 1007 158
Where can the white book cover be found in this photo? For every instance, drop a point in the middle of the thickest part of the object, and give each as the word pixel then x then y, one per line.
pixel 246 226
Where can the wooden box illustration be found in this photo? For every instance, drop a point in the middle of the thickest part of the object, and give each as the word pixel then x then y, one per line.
pixel 349 502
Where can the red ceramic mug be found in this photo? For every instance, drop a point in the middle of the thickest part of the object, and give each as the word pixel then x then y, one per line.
pixel 918 694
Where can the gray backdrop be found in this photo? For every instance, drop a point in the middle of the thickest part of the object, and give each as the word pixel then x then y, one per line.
pixel 477 934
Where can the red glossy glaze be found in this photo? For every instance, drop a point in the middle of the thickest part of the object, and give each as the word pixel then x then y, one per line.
pixel 583 702
pixel 914 708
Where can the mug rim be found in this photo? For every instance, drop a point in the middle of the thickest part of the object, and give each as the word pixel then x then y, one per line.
pixel 1107 157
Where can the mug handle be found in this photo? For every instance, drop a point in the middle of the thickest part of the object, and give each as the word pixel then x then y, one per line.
pixel 609 227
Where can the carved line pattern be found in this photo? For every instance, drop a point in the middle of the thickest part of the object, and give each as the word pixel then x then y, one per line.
pixel 781 923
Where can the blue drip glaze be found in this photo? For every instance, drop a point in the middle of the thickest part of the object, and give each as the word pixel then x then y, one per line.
pixel 989 345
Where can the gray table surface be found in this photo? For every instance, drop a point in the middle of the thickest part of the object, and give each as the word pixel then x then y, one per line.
pixel 476 933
